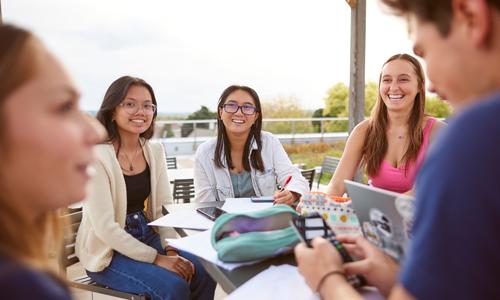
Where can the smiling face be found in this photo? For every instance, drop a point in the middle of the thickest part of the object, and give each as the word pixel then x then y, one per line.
pixel 398 85
pixel 237 122
pixel 48 141
pixel 134 114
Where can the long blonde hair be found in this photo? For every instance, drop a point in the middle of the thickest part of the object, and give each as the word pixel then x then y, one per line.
pixel 375 144
pixel 20 239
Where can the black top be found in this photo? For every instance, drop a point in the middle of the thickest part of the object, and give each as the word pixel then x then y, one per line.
pixel 20 282
pixel 138 189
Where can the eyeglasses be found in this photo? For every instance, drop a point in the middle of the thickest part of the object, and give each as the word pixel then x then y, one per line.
pixel 245 109
pixel 131 107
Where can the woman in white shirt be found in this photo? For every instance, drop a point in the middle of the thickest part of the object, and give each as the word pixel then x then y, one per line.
pixel 244 161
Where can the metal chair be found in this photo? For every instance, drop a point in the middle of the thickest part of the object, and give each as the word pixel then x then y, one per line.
pixel 71 221
pixel 171 162
pixel 329 166
pixel 183 190
pixel 309 176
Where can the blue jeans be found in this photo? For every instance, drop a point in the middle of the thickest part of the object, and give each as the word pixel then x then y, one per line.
pixel 129 275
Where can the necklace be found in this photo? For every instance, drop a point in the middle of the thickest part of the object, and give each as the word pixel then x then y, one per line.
pixel 131 167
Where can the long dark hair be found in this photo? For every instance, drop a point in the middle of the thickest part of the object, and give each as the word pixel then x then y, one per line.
pixel 375 144
pixel 113 97
pixel 223 145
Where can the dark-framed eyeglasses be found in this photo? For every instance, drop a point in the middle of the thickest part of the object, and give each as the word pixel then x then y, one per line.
pixel 132 107
pixel 246 109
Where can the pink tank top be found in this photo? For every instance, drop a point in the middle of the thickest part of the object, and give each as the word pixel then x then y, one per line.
pixel 394 179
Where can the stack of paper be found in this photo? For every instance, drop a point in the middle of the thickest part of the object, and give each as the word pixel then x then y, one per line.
pixel 239 205
pixel 188 219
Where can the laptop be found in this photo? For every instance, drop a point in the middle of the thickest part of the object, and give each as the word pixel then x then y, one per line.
pixel 385 217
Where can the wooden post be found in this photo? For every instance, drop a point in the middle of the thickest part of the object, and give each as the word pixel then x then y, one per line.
pixel 357 77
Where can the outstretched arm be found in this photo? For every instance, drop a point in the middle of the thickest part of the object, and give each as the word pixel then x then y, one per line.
pixel 350 160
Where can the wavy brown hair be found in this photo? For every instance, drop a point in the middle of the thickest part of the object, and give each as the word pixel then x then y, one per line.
pixel 223 146
pixel 375 144
pixel 20 239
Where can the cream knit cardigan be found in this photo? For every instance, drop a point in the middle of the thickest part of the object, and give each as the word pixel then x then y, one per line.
pixel 104 210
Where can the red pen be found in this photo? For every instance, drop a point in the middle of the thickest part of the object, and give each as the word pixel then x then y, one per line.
pixel 287 180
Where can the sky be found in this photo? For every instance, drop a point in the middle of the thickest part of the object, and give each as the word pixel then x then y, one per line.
pixel 191 50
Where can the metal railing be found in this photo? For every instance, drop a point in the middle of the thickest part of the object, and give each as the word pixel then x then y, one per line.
pixel 188 134
pixel 212 124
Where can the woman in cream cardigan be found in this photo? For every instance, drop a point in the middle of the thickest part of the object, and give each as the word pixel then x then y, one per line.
pixel 114 243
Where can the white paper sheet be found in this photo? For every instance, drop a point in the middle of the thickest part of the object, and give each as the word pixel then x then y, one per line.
pixel 188 219
pixel 284 282
pixel 278 283
pixel 238 205
pixel 200 245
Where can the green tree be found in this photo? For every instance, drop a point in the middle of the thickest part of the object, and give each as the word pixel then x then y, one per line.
pixel 436 107
pixel 167 131
pixel 202 114
pixel 371 95
pixel 336 102
pixel 317 124
pixel 285 107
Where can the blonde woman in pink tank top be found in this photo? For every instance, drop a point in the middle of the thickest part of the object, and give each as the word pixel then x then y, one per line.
pixel 392 143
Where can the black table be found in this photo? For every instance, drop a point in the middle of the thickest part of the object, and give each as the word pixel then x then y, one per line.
pixel 228 280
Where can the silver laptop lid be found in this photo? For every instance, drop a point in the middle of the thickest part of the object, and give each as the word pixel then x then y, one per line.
pixel 385 216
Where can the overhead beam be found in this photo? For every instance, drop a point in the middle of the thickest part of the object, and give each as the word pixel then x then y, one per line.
pixel 357 63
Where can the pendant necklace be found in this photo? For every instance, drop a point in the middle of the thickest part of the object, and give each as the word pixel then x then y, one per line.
pixel 131 167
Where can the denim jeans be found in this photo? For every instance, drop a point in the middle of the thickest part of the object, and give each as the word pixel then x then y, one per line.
pixel 129 275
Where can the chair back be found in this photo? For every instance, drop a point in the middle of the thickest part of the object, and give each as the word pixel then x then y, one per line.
pixel 329 166
pixel 171 162
pixel 71 222
pixel 309 176
pixel 183 190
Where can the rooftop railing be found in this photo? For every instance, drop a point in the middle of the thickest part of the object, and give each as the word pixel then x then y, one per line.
pixel 184 136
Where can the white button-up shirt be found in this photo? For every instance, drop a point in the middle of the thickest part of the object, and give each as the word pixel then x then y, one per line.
pixel 212 183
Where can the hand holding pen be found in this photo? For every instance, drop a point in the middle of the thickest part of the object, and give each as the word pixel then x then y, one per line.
pixel 284 196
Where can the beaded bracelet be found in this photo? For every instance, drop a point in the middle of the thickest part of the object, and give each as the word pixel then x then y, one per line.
pixel 323 279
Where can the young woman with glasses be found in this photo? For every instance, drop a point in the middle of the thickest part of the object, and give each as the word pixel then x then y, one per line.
pixel 243 160
pixel 46 156
pixel 114 243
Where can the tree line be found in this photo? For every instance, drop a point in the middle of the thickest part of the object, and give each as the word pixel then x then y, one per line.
pixel 336 105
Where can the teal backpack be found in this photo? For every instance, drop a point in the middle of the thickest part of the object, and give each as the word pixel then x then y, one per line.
pixel 239 237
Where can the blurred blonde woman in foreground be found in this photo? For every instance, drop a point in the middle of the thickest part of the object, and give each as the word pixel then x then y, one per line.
pixel 46 151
